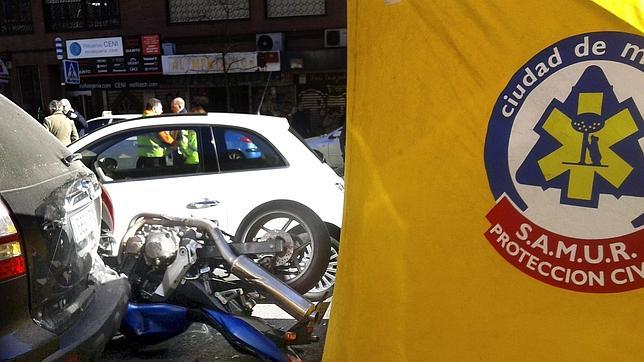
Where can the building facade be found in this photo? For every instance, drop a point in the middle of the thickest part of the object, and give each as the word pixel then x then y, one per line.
pixel 225 55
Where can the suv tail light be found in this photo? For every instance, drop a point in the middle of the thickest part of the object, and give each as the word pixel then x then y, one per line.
pixel 245 139
pixel 107 203
pixel 12 262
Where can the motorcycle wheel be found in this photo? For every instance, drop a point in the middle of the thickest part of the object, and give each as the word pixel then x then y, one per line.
pixel 312 248
pixel 324 288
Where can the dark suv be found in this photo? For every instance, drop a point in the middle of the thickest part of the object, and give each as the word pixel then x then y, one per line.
pixel 58 301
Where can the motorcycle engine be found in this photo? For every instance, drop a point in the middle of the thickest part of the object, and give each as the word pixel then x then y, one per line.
pixel 148 254
pixel 157 244
pixel 160 247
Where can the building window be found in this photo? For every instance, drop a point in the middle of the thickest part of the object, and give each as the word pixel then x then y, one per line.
pixel 191 11
pixel 15 17
pixel 61 15
pixel 285 8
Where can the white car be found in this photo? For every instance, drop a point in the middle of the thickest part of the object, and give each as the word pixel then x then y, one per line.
pixel 98 122
pixel 329 145
pixel 245 193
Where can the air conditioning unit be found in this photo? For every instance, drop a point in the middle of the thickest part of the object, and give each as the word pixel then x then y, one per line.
pixel 335 38
pixel 270 41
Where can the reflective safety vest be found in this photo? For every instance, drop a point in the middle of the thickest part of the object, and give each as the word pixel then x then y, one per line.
pixel 188 147
pixel 149 145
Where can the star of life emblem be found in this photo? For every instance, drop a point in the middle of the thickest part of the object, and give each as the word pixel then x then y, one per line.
pixel 565 163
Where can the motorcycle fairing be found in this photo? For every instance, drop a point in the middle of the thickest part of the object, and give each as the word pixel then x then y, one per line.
pixel 245 337
pixel 152 323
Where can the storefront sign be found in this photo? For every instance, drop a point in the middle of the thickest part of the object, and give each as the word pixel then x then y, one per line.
pixel 95 48
pixel 98 84
pixel 213 63
pixel 151 44
pixel 141 56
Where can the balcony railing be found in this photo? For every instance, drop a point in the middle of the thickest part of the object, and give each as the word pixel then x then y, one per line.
pixel 191 11
pixel 288 8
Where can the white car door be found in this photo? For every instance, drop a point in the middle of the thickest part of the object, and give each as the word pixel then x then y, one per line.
pixel 252 173
pixel 186 196
pixel 173 188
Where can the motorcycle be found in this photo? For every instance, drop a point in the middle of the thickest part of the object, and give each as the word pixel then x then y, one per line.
pixel 183 270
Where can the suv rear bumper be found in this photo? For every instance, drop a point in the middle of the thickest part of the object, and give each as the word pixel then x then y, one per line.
pixel 85 339
pixel 99 323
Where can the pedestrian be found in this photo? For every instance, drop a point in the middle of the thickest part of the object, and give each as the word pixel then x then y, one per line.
pixel 153 107
pixel 268 107
pixel 59 125
pixel 198 109
pixel 79 120
pixel 316 117
pixel 331 121
pixel 178 105
pixel 301 121
pixel 154 147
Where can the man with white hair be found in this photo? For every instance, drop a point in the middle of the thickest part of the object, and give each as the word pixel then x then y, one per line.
pixel 59 125
pixel 178 105
pixel 79 120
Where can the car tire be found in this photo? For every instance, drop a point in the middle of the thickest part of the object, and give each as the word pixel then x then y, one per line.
pixel 235 155
pixel 312 256
pixel 324 288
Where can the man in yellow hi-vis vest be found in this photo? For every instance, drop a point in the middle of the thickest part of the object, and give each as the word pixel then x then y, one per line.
pixel 188 147
pixel 153 147
pixel 494 182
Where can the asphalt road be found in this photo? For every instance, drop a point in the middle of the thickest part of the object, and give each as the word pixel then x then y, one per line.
pixel 202 343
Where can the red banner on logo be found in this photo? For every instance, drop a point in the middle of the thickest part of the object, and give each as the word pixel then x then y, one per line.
pixel 150 44
pixel 585 265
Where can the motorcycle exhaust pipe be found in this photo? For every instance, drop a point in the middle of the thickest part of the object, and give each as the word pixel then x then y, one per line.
pixel 285 297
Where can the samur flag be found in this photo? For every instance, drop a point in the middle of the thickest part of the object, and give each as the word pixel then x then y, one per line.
pixel 495 182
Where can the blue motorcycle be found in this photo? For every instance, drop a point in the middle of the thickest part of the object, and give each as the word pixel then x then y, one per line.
pixel 183 270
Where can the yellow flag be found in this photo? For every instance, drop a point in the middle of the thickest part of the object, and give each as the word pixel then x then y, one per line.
pixel 495 182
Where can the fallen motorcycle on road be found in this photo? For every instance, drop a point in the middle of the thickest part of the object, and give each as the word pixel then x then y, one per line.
pixel 183 270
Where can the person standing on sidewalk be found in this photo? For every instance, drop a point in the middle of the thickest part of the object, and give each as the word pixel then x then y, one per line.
pixel 79 120
pixel 178 105
pixel 59 125
pixel 301 120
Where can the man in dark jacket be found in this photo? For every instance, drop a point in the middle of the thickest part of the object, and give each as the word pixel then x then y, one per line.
pixel 301 121
pixel 178 105
pixel 79 120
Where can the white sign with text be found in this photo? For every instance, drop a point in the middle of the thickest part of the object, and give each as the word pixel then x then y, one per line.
pixel 237 62
pixel 95 48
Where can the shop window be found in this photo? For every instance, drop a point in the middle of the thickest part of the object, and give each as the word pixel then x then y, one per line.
pixel 286 8
pixel 15 17
pixel 191 11
pixel 61 15
pixel 29 79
